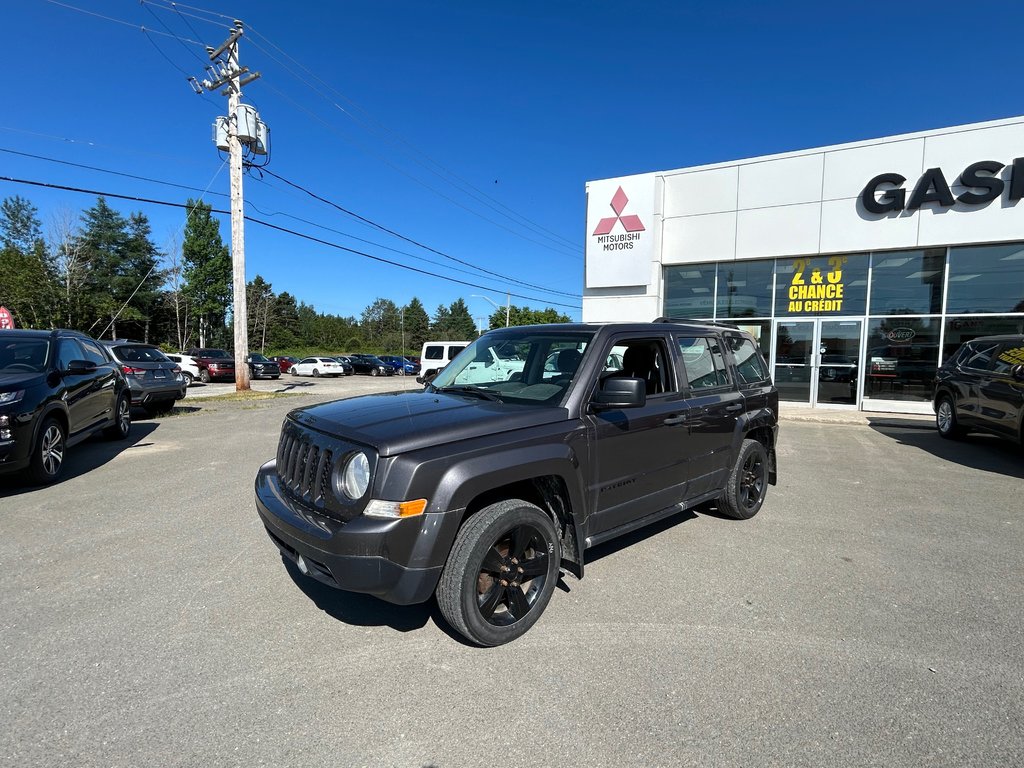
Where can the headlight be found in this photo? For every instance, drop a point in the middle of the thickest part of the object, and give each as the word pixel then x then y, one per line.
pixel 11 397
pixel 355 478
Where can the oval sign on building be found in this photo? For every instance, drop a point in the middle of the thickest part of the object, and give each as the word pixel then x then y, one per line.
pixel 901 334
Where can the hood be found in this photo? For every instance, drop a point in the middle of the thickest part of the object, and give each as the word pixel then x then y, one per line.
pixel 19 380
pixel 407 421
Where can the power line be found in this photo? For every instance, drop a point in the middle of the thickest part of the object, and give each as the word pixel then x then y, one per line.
pixel 285 230
pixel 418 244
pixel 262 212
pixel 116 21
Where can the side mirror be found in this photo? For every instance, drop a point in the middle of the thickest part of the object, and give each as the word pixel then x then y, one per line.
pixel 616 393
pixel 79 367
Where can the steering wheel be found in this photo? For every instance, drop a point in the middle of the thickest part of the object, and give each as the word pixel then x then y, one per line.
pixel 21 367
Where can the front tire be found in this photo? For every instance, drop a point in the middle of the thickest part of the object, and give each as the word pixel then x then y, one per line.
pixel 122 420
pixel 501 572
pixel 48 453
pixel 945 419
pixel 204 376
pixel 748 482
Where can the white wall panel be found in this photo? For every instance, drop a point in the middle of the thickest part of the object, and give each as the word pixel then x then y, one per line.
pixel 978 223
pixel 789 230
pixel 780 182
pixel 845 229
pixel 847 171
pixel 699 238
pixel 954 151
pixel 700 192
pixel 605 309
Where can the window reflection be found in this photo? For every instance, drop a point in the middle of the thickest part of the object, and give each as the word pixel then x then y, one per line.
pixel 908 282
pixel 902 357
pixel 986 279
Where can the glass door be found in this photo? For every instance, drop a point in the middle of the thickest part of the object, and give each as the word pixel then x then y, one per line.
pixel 816 361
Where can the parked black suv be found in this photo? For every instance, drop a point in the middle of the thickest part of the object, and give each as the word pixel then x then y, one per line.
pixel 482 489
pixel 56 389
pixel 262 367
pixel 981 388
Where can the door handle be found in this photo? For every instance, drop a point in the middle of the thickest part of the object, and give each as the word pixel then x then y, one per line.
pixel 672 421
pixel 734 407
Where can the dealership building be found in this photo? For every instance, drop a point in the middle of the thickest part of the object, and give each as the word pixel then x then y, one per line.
pixel 859 267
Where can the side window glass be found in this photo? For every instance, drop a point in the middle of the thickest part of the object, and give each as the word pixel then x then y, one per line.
pixel 645 359
pixel 92 352
pixel 1009 355
pixel 980 356
pixel 67 351
pixel 749 365
pixel 434 353
pixel 704 363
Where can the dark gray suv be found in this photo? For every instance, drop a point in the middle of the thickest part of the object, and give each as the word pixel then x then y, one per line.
pixel 481 487
pixel 155 381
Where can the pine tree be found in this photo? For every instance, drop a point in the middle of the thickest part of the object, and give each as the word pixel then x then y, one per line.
pixel 206 267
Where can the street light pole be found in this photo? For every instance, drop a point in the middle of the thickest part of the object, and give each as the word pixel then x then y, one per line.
pixel 496 305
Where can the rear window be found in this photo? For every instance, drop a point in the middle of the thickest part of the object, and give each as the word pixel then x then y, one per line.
pixel 131 353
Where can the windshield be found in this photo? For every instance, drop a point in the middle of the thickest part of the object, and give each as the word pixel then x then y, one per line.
pixel 528 365
pixel 23 355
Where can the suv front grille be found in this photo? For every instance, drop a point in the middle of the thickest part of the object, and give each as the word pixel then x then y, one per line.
pixel 305 467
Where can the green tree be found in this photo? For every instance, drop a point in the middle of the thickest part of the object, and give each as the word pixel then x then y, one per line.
pixel 283 331
pixel 260 301
pixel 461 323
pixel 527 316
pixel 206 267
pixel 104 243
pixel 417 326
pixel 381 325
pixel 139 276
pixel 28 285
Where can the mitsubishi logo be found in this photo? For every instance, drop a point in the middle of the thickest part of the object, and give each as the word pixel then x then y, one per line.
pixel 630 223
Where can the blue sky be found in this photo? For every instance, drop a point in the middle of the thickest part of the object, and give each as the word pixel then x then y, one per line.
pixel 469 127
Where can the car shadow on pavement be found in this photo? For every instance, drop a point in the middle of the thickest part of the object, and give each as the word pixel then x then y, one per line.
pixel 83 457
pixel 984 452
pixel 642 534
pixel 358 609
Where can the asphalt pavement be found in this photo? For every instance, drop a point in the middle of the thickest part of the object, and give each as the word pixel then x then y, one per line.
pixel 869 615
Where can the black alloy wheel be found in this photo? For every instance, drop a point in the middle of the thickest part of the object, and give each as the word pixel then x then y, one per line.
pixel 501 572
pixel 748 482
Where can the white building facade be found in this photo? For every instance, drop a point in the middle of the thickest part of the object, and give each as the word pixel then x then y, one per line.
pixel 860 267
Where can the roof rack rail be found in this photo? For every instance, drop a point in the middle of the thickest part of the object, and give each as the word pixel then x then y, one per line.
pixel 717 323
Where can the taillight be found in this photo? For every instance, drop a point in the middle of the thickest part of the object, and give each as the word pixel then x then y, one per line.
pixel 129 371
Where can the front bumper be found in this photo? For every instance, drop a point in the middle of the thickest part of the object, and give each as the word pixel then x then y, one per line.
pixel 397 560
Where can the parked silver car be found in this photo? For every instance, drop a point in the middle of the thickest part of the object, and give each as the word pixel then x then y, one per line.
pixel 154 380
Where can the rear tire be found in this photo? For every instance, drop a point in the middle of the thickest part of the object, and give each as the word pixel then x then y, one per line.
pixel 122 420
pixel 747 484
pixel 188 378
pixel 48 453
pixel 945 419
pixel 500 573
pixel 316 374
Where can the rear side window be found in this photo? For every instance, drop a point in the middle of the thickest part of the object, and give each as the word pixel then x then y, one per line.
pixel 434 353
pixel 1009 355
pixel 703 362
pixel 749 364
pixel 980 355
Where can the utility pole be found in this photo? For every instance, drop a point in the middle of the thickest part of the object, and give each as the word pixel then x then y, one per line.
pixel 236 132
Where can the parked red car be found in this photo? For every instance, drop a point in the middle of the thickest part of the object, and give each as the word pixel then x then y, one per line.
pixel 284 362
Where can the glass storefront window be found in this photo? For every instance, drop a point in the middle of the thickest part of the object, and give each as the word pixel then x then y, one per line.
pixel 690 291
pixel 902 356
pixel 986 278
pixel 745 289
pixel 961 329
pixel 908 282
pixel 821 286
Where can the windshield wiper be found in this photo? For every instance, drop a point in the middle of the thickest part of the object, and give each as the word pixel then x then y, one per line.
pixel 464 389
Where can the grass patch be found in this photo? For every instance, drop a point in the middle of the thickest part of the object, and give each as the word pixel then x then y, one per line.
pixel 248 396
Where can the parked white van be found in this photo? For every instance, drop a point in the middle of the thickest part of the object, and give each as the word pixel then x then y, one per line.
pixel 435 355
